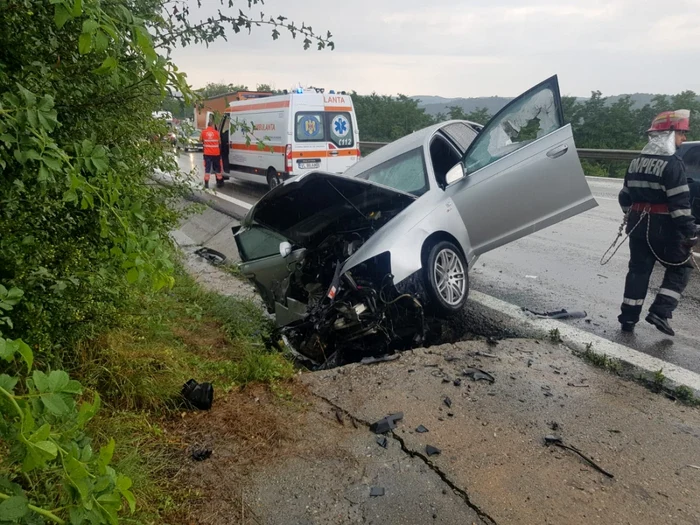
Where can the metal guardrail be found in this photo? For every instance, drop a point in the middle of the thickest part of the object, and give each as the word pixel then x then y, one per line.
pixel 584 153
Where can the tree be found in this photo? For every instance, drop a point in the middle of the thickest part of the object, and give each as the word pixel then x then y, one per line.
pixel 383 118
pixel 213 89
pixel 479 115
pixel 263 87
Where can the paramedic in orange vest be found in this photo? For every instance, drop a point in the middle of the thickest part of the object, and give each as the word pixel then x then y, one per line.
pixel 212 155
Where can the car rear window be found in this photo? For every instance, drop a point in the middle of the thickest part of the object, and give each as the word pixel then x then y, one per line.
pixel 309 127
pixel 405 173
pixel 340 129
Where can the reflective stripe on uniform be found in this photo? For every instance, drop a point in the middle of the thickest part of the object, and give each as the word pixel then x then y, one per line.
pixel 645 184
pixel 633 302
pixel 681 213
pixel 677 190
pixel 670 293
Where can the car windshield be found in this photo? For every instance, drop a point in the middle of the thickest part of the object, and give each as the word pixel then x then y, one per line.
pixel 405 172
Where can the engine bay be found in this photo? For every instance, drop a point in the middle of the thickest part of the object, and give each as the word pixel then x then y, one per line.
pixel 357 314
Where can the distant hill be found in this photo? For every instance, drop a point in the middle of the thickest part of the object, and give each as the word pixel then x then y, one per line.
pixel 434 104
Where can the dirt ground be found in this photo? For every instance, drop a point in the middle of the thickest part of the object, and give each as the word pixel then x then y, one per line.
pixel 303 453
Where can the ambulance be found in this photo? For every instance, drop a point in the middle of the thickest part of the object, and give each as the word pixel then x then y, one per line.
pixel 288 135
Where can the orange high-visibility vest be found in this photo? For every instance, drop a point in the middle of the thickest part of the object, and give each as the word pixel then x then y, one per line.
pixel 210 139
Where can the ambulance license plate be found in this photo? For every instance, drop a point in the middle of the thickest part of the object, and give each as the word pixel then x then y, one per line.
pixel 309 165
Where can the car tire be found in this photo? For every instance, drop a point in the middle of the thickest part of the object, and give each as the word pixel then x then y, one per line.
pixel 446 278
pixel 273 179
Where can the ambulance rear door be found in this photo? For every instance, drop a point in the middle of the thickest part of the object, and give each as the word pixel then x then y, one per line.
pixel 309 132
pixel 341 132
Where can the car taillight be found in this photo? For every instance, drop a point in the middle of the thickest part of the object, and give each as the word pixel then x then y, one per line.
pixel 288 158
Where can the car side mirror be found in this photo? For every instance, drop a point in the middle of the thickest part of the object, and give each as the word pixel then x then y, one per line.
pixel 455 173
pixel 285 249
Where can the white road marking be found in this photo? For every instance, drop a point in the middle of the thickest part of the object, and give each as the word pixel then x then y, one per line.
pixel 232 200
pixel 577 339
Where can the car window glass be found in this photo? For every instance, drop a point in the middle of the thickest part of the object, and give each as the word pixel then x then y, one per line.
pixel 340 129
pixel 309 127
pixel 257 242
pixel 405 173
pixel 461 134
pixel 522 122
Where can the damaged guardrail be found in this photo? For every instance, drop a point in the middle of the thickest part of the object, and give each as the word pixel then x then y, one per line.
pixel 584 153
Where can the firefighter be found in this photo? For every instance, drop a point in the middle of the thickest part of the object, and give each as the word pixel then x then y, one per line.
pixel 660 223
pixel 212 155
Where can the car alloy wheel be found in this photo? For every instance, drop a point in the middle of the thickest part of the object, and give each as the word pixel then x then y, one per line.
pixel 446 278
pixel 450 277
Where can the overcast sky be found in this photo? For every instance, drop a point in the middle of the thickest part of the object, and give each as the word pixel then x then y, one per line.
pixel 463 48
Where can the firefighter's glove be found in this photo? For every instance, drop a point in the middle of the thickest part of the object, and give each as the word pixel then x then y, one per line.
pixel 689 242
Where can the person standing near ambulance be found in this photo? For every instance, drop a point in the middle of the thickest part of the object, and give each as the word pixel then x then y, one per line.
pixel 212 155
pixel 660 224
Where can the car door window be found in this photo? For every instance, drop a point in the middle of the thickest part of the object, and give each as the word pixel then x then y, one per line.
pixel 257 242
pixel 532 116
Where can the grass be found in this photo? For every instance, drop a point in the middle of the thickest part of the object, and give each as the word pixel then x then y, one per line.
pixel 140 367
pixel 555 335
pixel 601 360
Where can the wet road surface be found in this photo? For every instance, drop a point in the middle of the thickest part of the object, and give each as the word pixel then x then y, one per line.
pixel 558 268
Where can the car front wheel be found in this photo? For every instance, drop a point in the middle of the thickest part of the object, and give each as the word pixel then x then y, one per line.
pixel 446 278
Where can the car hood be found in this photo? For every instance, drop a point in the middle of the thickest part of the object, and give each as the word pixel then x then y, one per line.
pixel 308 208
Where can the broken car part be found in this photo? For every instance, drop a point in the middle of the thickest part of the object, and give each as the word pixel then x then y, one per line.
pixel 431 450
pixel 386 423
pixel 421 429
pixel 383 441
pixel 198 395
pixel 214 257
pixel 200 454
pixel 376 491
pixel 478 375
pixel 558 314
pixel 559 442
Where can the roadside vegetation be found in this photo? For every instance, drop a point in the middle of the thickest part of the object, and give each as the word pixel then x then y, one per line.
pixel 98 327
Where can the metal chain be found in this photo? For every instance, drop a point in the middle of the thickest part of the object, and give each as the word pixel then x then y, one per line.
pixel 645 213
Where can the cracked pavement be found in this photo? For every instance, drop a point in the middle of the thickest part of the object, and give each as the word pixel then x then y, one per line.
pixel 494 462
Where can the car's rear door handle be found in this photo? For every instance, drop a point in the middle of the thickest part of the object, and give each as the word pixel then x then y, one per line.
pixel 334 153
pixel 558 151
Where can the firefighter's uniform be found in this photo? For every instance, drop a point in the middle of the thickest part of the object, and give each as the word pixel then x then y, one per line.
pixel 656 196
pixel 212 155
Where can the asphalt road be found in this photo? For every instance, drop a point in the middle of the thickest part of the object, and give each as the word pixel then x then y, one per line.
pixel 556 268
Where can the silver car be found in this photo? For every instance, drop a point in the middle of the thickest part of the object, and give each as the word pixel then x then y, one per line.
pixel 360 263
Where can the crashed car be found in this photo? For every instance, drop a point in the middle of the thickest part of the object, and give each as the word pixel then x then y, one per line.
pixel 356 264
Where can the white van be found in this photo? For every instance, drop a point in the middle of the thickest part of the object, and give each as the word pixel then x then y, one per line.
pixel 302 131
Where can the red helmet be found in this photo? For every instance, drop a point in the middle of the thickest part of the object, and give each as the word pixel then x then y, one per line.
pixel 678 120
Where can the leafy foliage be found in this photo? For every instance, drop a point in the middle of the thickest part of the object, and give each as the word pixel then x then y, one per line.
pixel 51 471
pixel 83 229
pixel 80 221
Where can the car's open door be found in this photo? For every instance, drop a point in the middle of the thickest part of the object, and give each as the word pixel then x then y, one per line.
pixel 521 173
